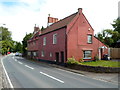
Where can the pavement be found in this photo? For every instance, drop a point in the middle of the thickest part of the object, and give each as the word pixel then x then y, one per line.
pixel 1 74
pixel 3 79
pixel 106 77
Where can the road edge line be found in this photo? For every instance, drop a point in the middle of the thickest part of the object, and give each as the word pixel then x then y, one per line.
pixel 9 81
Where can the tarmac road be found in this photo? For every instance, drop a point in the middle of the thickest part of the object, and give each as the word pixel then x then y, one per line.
pixel 27 74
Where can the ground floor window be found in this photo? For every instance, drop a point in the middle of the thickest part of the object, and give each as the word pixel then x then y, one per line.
pixel 34 53
pixel 29 53
pixel 50 54
pixel 87 54
pixel 42 54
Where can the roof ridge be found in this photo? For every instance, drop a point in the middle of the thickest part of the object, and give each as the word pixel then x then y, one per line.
pixel 63 19
pixel 61 23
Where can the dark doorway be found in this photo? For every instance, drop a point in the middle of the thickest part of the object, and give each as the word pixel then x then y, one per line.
pixel 62 57
pixel 101 52
pixel 57 57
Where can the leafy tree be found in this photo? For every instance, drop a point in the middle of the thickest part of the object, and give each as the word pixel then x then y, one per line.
pixel 100 37
pixel 6 41
pixel 108 32
pixel 5 35
pixel 116 25
pixel 109 36
pixel 24 42
pixel 18 47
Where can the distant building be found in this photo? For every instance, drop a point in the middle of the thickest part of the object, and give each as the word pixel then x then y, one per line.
pixel 72 36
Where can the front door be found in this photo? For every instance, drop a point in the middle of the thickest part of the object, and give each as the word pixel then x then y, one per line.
pixel 57 57
pixel 101 52
pixel 62 57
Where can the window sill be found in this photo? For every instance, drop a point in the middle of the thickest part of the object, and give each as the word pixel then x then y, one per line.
pixel 87 58
pixel 89 43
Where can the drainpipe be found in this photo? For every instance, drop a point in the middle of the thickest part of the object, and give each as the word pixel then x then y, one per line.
pixel 99 54
pixel 109 52
pixel 65 45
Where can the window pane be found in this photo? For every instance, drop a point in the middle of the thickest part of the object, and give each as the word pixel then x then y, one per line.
pixel 54 38
pixel 42 54
pixel 87 54
pixel 89 38
pixel 44 41
pixel 34 53
pixel 29 53
pixel 50 54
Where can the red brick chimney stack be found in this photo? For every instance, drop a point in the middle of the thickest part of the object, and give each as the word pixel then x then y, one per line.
pixel 36 29
pixel 80 10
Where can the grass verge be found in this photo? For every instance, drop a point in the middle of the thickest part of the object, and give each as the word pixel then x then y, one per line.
pixel 102 63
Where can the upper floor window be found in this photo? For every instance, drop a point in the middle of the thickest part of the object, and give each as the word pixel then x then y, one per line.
pixel 54 38
pixel 89 38
pixel 44 41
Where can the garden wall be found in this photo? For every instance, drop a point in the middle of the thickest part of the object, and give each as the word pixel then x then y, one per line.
pixel 97 69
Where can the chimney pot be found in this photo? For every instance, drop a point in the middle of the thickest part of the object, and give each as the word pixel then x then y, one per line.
pixel 80 10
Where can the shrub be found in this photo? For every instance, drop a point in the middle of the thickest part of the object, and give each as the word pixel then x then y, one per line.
pixel 72 61
pixel 96 58
pixel 81 60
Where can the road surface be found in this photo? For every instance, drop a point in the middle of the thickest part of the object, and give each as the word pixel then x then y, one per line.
pixel 22 73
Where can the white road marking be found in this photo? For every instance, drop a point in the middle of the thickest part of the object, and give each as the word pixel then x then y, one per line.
pixel 9 81
pixel 100 79
pixel 29 67
pixel 15 59
pixel 71 72
pixel 20 62
pixel 52 77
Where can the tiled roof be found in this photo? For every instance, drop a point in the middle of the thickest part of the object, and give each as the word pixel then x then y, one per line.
pixel 59 24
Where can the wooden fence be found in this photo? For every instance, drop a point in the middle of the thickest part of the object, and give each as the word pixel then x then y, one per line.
pixel 115 53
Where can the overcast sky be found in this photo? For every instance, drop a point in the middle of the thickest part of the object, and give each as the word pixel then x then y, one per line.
pixel 20 16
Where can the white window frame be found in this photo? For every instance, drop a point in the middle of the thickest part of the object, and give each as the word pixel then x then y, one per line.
pixel 44 40
pixel 42 53
pixel 89 38
pixel 54 38
pixel 50 54
pixel 29 53
pixel 85 53
pixel 34 53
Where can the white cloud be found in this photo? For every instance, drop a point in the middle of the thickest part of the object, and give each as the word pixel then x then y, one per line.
pixel 21 18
